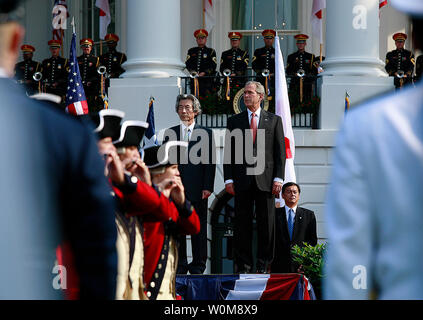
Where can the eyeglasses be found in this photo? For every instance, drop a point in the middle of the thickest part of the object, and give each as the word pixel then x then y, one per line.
pixel 291 191
pixel 187 108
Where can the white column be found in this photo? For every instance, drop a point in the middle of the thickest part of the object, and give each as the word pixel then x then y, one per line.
pixel 153 39
pixel 352 59
pixel 154 66
pixel 352 33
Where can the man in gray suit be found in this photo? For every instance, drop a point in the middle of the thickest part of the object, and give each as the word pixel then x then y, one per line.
pixel 254 190
pixel 197 178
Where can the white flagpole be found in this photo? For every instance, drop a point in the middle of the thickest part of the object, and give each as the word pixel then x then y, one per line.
pixel 282 109
pixel 73 25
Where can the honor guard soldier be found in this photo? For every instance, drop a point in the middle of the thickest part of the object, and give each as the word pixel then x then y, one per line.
pixel 113 59
pixel 24 70
pixel 235 61
pixel 419 67
pixel 55 71
pixel 264 61
pixel 88 64
pixel 201 61
pixel 302 64
pixel 400 62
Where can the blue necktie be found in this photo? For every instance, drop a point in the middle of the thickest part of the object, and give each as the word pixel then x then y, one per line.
pixel 290 222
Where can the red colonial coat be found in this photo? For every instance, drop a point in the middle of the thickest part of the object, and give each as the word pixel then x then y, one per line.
pixel 155 233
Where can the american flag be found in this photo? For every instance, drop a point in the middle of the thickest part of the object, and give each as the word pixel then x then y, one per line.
pixel 58 33
pixel 105 17
pixel 76 101
pixel 150 138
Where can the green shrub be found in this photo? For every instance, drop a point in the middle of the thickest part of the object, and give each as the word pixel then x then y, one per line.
pixel 310 260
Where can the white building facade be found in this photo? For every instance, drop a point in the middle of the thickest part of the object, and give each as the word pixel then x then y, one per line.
pixel 156 35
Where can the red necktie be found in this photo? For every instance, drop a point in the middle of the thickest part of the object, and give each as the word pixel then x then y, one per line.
pixel 253 126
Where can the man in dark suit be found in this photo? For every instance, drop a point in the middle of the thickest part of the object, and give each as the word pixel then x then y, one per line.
pixel 64 195
pixel 198 179
pixel 254 189
pixel 294 226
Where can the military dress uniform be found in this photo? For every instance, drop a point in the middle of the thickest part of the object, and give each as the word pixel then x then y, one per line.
pixel 400 60
pixel 264 58
pixel 302 61
pixel 235 60
pixel 55 72
pixel 202 59
pixel 113 59
pixel 24 71
pixel 88 65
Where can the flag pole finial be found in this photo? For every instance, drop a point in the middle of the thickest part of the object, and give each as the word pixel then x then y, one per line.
pixel 73 24
pixel 276 16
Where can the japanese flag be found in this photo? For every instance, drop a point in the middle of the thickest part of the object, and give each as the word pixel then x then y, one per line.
pixel 316 18
pixel 105 17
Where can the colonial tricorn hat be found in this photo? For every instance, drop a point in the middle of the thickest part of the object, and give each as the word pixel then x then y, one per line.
pixel 269 33
pixel 107 123
pixel 131 134
pixel 235 35
pixel 201 33
pixel 168 153
pixel 399 36
pixel 48 98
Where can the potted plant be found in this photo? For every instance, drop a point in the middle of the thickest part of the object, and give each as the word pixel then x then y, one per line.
pixel 310 260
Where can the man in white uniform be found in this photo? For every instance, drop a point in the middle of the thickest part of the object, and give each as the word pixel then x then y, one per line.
pixel 375 199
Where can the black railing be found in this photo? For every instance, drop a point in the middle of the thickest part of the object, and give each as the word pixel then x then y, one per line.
pixel 217 108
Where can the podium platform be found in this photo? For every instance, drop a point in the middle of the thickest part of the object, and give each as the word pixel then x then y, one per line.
pixel 287 286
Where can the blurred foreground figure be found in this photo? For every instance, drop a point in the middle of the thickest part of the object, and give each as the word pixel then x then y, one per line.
pixel 374 202
pixel 53 192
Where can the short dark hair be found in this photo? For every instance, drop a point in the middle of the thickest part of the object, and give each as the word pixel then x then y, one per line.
pixel 289 184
